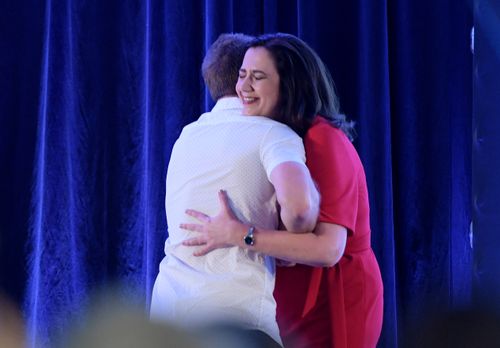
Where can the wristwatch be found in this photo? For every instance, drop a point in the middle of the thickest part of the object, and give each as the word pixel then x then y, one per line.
pixel 249 239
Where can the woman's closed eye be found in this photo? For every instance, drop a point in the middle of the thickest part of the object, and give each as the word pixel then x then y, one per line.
pixel 259 75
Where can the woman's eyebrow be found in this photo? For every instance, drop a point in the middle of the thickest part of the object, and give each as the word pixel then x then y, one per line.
pixel 243 70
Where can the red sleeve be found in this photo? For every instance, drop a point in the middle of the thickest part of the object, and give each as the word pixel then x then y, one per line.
pixel 329 156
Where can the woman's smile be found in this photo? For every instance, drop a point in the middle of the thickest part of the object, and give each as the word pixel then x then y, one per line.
pixel 258 83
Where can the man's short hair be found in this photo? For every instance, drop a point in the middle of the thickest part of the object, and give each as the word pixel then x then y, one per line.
pixel 222 63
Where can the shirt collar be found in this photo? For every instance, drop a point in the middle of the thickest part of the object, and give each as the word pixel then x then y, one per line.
pixel 228 103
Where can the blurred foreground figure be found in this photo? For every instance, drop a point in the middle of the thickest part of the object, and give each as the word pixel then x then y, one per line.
pixel 12 331
pixel 125 326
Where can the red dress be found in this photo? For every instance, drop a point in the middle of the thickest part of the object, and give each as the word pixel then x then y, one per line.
pixel 340 306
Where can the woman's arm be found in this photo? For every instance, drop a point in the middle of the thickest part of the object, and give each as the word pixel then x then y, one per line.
pixel 324 247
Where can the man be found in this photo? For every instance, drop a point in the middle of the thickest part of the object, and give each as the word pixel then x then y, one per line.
pixel 260 164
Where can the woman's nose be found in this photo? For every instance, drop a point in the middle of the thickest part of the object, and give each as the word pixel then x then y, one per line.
pixel 246 84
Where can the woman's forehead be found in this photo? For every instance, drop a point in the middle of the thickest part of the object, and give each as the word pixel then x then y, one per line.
pixel 258 58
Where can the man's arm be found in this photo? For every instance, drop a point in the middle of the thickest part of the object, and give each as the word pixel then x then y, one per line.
pixel 297 196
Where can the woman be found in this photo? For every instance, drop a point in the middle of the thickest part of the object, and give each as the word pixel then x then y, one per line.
pixel 335 298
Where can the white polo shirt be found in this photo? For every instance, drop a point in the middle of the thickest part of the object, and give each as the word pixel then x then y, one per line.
pixel 223 150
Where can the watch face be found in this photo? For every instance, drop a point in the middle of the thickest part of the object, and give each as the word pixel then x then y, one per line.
pixel 248 240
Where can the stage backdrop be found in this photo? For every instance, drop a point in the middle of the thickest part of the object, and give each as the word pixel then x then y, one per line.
pixel 93 95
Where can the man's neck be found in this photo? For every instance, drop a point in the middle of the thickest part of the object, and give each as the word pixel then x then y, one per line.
pixel 228 96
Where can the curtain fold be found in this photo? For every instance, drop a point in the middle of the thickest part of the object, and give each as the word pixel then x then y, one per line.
pixel 431 99
pixel 485 155
pixel 95 94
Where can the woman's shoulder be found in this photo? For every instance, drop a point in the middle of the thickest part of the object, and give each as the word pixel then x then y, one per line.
pixel 327 143
pixel 324 131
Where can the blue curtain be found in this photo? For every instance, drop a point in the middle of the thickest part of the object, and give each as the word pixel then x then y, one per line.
pixel 486 154
pixel 94 93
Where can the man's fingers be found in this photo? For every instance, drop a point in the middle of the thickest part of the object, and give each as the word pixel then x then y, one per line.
pixel 283 263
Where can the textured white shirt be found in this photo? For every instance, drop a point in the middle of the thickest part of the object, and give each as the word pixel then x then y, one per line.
pixel 223 150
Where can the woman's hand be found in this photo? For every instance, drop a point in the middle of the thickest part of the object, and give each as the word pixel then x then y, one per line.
pixel 221 231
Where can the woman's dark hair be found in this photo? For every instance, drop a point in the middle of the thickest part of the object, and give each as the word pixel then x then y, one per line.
pixel 306 86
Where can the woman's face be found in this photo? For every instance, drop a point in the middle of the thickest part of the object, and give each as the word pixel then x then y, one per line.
pixel 258 83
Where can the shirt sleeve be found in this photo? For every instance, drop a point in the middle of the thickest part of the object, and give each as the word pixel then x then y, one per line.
pixel 331 161
pixel 279 145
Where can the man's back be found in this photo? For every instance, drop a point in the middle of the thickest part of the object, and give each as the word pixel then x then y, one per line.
pixel 223 150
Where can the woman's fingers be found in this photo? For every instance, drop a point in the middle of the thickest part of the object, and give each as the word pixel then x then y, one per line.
pixel 197 241
pixel 198 215
pixel 192 227
pixel 194 241
pixel 224 203
pixel 223 200
pixel 203 251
